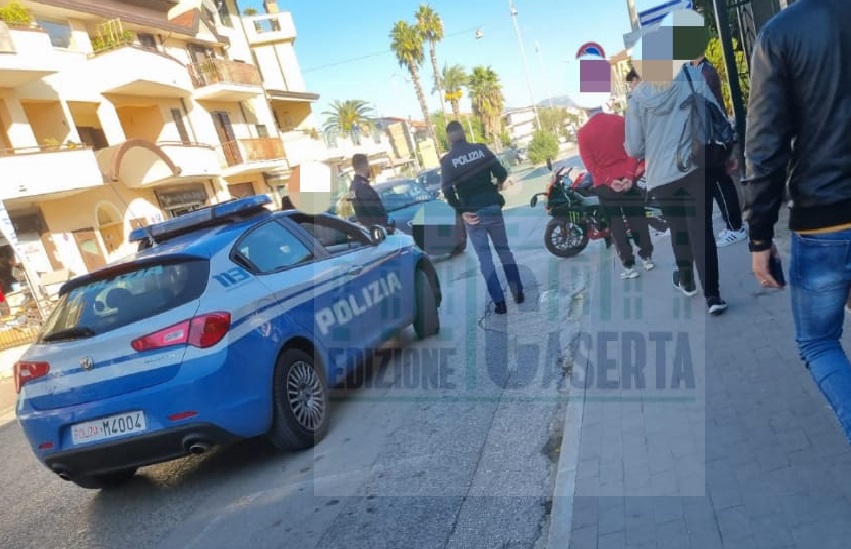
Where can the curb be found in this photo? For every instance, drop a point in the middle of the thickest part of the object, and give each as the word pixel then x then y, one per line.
pixel 564 485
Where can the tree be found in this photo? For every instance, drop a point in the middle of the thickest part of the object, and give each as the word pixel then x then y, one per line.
pixel 430 27
pixel 715 55
pixel 544 145
pixel 472 127
pixel 553 119
pixel 344 117
pixel 407 44
pixel 454 78
pixel 488 103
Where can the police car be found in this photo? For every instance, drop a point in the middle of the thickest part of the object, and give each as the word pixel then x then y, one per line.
pixel 229 322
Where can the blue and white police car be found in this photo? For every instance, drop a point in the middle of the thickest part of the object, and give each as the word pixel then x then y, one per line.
pixel 230 322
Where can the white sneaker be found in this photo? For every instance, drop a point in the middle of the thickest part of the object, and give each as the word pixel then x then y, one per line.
pixel 649 265
pixel 731 237
pixel 629 273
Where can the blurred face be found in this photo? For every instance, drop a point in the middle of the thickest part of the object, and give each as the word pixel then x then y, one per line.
pixel 590 82
pixel 681 37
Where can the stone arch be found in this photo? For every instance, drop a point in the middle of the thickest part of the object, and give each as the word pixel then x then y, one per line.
pixel 122 150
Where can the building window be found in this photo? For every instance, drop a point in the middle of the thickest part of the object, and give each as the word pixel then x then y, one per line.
pixel 181 127
pixel 224 13
pixel 262 130
pixel 148 41
pixel 58 31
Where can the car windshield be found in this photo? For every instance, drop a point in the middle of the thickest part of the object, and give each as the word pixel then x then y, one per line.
pixel 116 300
pixel 402 194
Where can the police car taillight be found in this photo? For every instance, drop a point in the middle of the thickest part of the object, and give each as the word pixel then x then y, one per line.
pixel 202 331
pixel 26 371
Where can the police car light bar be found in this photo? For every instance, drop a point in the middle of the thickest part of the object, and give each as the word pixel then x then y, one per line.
pixel 199 217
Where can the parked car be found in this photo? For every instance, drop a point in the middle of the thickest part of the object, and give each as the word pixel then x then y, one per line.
pixel 430 180
pixel 436 227
pixel 230 322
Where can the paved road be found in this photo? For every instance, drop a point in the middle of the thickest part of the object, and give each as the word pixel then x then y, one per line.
pixel 466 463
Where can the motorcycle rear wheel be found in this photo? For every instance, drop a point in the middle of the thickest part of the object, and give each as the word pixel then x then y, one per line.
pixel 565 239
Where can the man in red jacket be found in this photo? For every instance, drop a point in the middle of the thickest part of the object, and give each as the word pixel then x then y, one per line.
pixel 601 146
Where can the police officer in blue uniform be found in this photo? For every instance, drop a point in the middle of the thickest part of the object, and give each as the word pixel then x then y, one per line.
pixel 467 174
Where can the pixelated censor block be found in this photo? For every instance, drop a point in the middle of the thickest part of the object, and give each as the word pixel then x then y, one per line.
pixel 595 76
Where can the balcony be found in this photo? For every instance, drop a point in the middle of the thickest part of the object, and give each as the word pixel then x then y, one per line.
pixel 270 28
pixel 193 160
pixel 139 163
pixel 225 80
pixel 55 170
pixel 26 55
pixel 301 147
pixel 153 74
pixel 251 155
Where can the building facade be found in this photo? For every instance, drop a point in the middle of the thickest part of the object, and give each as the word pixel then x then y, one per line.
pixel 520 124
pixel 120 113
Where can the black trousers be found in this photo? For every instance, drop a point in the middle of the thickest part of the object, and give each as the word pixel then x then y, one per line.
pixel 724 192
pixel 687 204
pixel 628 204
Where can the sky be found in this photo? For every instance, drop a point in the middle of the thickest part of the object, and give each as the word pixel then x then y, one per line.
pixel 343 46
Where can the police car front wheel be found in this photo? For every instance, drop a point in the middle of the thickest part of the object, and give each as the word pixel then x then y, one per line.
pixel 427 320
pixel 300 400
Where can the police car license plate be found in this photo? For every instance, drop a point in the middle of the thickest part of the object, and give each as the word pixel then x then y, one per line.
pixel 109 427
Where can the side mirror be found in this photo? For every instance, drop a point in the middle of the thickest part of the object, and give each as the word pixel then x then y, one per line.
pixel 534 201
pixel 378 234
pixel 549 164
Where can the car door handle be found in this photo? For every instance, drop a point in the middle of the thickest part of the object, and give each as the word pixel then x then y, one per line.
pixel 356 270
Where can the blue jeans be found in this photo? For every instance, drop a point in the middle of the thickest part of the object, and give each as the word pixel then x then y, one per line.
pixel 491 228
pixel 820 278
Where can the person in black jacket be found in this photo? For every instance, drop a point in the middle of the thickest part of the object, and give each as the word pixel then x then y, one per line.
pixel 799 134
pixel 369 210
pixel 467 174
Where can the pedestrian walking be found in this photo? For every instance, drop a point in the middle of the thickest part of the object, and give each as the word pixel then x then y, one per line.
pixel 601 147
pixel 799 135
pixel 369 210
pixel 718 175
pixel 470 177
pixel 659 130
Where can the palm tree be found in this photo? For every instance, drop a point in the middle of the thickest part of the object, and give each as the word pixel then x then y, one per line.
pixel 430 27
pixel 345 117
pixel 454 78
pixel 407 44
pixel 486 96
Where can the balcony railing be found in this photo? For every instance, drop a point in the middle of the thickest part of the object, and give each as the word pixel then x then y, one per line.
pixel 224 71
pixel 253 150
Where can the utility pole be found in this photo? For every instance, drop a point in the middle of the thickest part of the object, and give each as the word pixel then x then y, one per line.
pixel 525 63
pixel 633 14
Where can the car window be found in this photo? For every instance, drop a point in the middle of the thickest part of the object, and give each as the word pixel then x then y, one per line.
pixel 115 301
pixel 271 247
pixel 332 234
pixel 403 194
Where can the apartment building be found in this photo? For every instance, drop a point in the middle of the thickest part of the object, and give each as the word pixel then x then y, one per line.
pixel 520 123
pixel 121 113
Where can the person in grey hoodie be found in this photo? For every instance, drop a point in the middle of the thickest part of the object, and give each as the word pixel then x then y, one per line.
pixel 658 123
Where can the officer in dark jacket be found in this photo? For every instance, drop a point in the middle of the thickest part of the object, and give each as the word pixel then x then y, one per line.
pixel 799 134
pixel 467 174
pixel 369 210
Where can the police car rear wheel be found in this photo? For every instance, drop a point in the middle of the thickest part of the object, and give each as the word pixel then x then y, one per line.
pixel 300 400
pixel 427 320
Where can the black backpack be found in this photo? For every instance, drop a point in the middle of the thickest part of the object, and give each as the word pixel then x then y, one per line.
pixel 713 137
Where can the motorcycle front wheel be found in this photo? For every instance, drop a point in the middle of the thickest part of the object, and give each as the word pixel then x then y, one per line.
pixel 565 239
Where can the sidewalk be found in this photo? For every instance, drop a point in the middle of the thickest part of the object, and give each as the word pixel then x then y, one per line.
pixel 749 455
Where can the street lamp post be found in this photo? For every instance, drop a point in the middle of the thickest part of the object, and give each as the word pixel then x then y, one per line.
pixel 523 55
